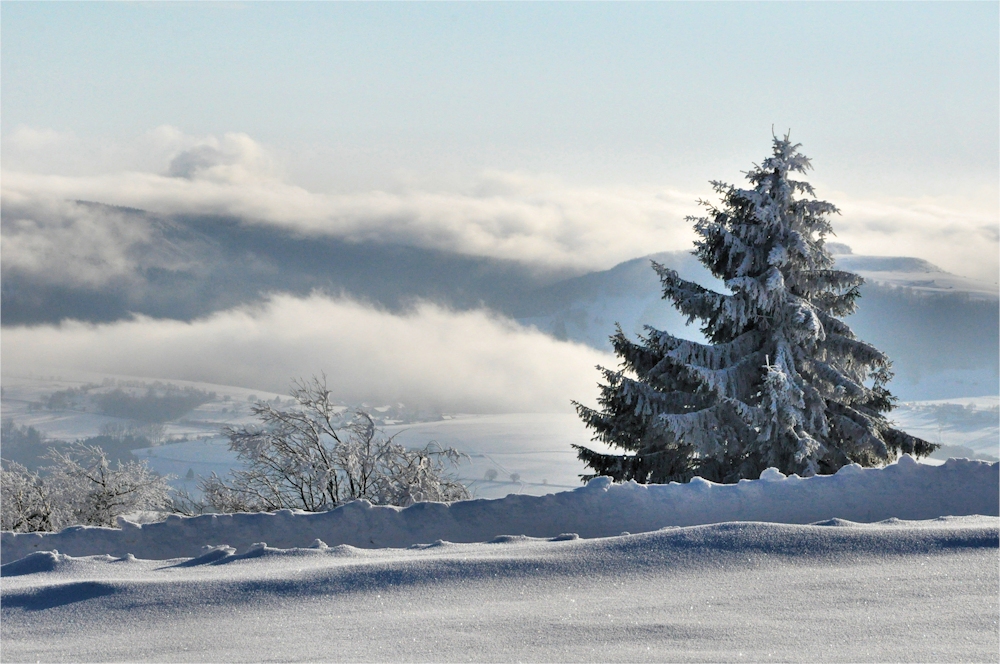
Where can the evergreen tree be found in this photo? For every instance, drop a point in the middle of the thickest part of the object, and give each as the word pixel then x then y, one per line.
pixel 782 382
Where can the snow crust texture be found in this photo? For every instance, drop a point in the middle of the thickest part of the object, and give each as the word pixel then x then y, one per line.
pixel 838 591
pixel 904 490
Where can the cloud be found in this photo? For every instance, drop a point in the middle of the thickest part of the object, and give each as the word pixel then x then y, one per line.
pixel 533 219
pixel 81 245
pixel 45 150
pixel 62 242
pixel 554 226
pixel 32 139
pixel 961 239
pixel 232 159
pixel 430 357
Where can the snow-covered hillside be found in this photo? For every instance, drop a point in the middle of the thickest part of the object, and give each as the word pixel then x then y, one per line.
pixel 967 427
pixel 915 274
pixel 777 568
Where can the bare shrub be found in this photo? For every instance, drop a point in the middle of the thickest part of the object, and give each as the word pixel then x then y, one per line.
pixel 24 500
pixel 81 487
pixel 309 457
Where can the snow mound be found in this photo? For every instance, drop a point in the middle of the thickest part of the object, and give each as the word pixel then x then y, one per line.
pixel 39 561
pixel 904 490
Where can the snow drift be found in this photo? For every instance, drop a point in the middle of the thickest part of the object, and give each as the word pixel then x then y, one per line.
pixel 904 490
pixel 894 591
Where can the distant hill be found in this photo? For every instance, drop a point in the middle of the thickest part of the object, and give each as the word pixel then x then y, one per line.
pixel 940 329
pixel 192 266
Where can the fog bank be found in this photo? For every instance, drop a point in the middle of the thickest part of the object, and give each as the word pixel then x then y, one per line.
pixel 428 357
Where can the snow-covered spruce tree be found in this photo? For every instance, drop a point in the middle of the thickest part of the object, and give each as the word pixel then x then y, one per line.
pixel 783 381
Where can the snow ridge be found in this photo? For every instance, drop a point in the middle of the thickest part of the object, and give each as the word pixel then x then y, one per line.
pixel 903 490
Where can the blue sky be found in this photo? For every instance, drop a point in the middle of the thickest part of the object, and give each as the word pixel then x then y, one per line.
pixel 653 92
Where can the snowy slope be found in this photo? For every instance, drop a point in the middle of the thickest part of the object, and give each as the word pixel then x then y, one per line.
pixel 895 591
pixel 915 274
pixel 967 427
pixel 586 308
pixel 23 397
pixel 530 453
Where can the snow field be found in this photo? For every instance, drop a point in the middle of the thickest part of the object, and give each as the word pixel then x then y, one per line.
pixel 839 591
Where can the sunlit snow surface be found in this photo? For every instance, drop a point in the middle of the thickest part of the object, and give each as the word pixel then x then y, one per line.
pixel 394 586
pixel 905 490
pixel 893 591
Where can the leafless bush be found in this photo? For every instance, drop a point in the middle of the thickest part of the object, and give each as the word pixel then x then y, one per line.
pixel 24 500
pixel 81 487
pixel 308 457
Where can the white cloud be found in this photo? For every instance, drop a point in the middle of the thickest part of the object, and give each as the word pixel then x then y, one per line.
pixel 233 159
pixel 962 240
pixel 432 357
pixel 42 150
pixel 33 139
pixel 63 242
pixel 533 219
pixel 556 226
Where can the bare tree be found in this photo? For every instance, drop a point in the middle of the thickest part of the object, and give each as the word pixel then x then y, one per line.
pixel 126 431
pixel 310 457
